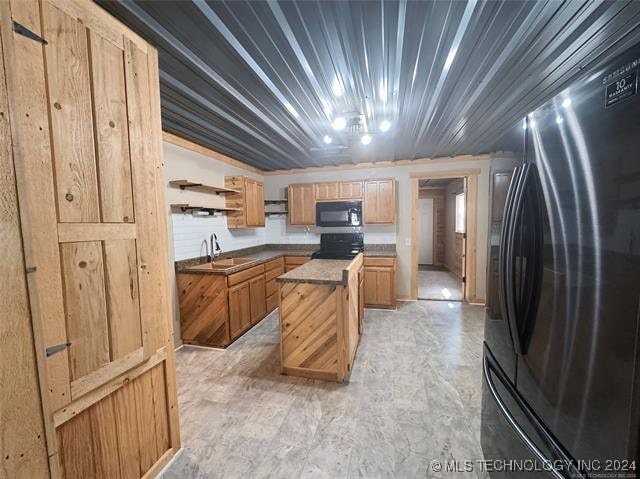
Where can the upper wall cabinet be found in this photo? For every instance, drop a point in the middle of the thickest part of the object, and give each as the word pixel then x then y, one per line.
pixel 302 206
pixel 326 191
pixel 249 202
pixel 378 198
pixel 379 201
pixel 350 190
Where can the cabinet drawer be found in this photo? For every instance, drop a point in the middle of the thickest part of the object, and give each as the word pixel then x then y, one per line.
pixel 274 273
pixel 236 278
pixel 296 260
pixel 271 287
pixel 269 265
pixel 376 261
pixel 272 302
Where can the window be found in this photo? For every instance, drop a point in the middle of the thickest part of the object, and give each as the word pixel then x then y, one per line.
pixel 460 213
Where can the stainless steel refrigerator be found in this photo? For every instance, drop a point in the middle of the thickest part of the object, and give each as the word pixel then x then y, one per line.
pixel 561 389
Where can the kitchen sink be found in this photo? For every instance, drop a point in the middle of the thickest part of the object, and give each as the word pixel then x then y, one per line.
pixel 222 264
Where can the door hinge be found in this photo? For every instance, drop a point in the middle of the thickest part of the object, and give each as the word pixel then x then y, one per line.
pixel 51 350
pixel 464 279
pixel 25 32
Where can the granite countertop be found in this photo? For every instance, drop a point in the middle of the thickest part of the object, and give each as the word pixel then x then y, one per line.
pixel 266 253
pixel 258 257
pixel 318 271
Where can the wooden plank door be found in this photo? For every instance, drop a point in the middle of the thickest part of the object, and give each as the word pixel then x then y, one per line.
pixel 103 203
pixel 85 126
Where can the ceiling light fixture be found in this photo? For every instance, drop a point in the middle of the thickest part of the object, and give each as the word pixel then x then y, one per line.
pixel 339 123
pixel 366 139
pixel 566 103
pixel 327 139
pixel 559 119
pixel 385 125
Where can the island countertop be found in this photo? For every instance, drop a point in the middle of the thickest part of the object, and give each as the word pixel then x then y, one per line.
pixel 319 271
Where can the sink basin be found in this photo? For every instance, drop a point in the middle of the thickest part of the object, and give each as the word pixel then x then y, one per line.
pixel 222 264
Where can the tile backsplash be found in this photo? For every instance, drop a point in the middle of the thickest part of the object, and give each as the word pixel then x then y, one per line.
pixel 191 232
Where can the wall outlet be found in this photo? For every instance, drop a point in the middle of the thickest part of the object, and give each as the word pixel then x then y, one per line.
pixel 407 241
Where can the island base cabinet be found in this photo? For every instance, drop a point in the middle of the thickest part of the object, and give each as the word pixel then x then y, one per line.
pixel 239 309
pixel 319 327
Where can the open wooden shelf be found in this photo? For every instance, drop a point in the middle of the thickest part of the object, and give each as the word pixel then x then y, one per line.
pixel 275 213
pixel 192 185
pixel 211 209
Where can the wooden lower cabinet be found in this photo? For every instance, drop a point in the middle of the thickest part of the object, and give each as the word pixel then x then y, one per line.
pixel 292 262
pixel 273 270
pixel 380 283
pixel 203 309
pixel 257 299
pixel 360 298
pixel 215 310
pixel 239 309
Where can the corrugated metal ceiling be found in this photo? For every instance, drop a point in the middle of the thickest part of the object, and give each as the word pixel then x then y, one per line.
pixel 263 81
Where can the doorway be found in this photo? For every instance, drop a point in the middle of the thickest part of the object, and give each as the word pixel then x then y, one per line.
pixel 444 236
pixel 442 226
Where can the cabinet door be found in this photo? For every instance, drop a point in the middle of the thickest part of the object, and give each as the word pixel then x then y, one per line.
pixel 360 299
pixel 379 201
pixel 350 190
pixel 239 309
pixel 254 202
pixel 326 191
pixel 384 286
pixel 259 203
pixel 379 286
pixel 302 206
pixel 257 298
pixel 370 289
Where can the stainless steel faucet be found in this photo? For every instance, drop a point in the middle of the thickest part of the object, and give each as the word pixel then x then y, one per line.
pixel 215 251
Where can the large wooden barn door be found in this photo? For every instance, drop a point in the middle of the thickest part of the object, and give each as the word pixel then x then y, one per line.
pixel 89 174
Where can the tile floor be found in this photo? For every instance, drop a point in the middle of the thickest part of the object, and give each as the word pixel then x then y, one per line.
pixel 413 396
pixel 441 285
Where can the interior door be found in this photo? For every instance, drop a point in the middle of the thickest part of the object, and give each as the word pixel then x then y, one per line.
pixel 426 231
pixel 104 192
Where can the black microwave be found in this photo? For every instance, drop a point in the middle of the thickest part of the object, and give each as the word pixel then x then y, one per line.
pixel 339 213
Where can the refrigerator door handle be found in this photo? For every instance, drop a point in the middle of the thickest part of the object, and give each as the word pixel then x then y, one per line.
pixel 503 261
pixel 490 367
pixel 509 264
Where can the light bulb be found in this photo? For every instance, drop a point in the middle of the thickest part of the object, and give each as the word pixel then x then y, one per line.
pixel 385 125
pixel 366 139
pixel 327 139
pixel 339 123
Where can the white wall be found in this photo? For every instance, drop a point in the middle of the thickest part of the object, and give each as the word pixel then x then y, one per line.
pixel 400 233
pixel 187 232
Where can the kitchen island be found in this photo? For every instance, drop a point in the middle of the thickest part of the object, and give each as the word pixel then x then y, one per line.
pixel 320 318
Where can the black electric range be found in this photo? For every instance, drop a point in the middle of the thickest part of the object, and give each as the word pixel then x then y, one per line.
pixel 339 245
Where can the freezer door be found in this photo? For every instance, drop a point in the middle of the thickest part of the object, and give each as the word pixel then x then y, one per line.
pixel 579 351
pixel 514 440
